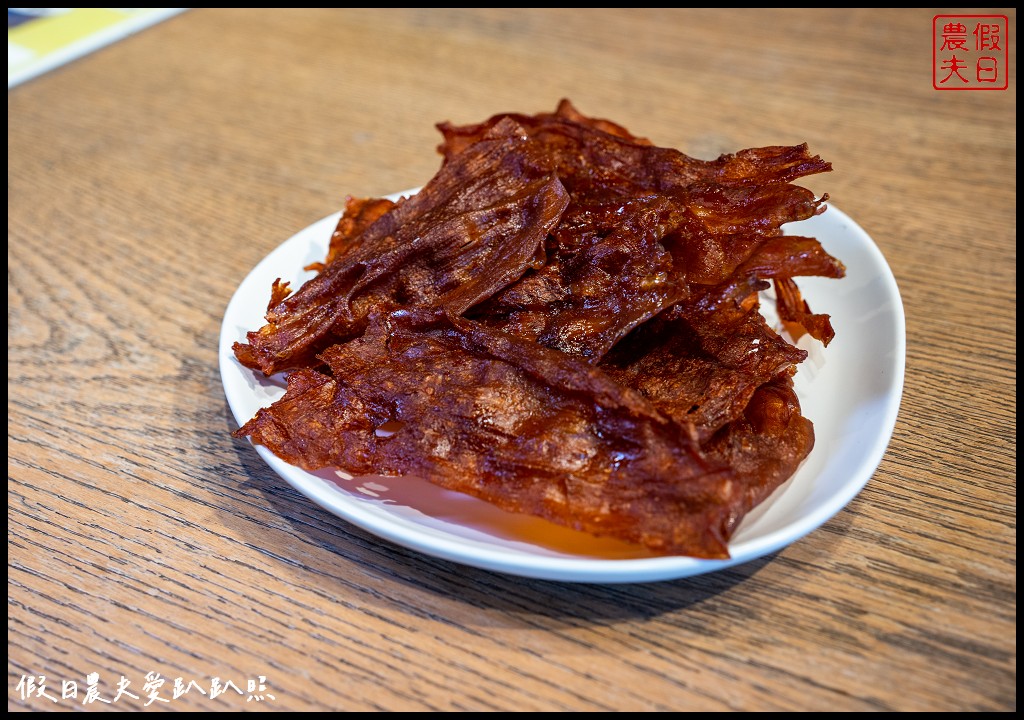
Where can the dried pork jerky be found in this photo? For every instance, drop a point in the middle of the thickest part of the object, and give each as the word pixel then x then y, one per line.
pixel 702 361
pixel 474 228
pixel 633 245
pixel 593 161
pixel 529 429
pixel 359 215
pixel 564 322
pixel 764 446
pixel 697 374
pixel 595 289
pixel 794 309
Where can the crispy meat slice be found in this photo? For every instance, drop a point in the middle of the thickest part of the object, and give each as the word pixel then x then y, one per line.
pixel 599 158
pixel 700 374
pixel 644 225
pixel 360 214
pixel 594 289
pixel 765 445
pixel 564 322
pixel 702 360
pixel 612 264
pixel 527 428
pixel 473 229
pixel 794 309
pixel 458 137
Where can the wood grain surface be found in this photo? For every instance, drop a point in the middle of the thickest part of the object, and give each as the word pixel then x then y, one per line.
pixel 147 179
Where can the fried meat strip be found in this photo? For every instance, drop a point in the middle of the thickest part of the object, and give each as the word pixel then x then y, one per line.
pixel 794 309
pixel 765 445
pixel 702 360
pixel 474 228
pixel 697 374
pixel 599 158
pixel 359 215
pixel 529 429
pixel 564 322
pixel 605 277
pixel 630 246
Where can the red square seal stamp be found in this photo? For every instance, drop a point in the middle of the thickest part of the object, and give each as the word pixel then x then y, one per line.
pixel 970 52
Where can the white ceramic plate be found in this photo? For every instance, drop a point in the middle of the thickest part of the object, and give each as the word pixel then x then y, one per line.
pixel 850 391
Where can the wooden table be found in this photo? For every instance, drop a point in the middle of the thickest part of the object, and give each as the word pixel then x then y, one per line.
pixel 147 179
